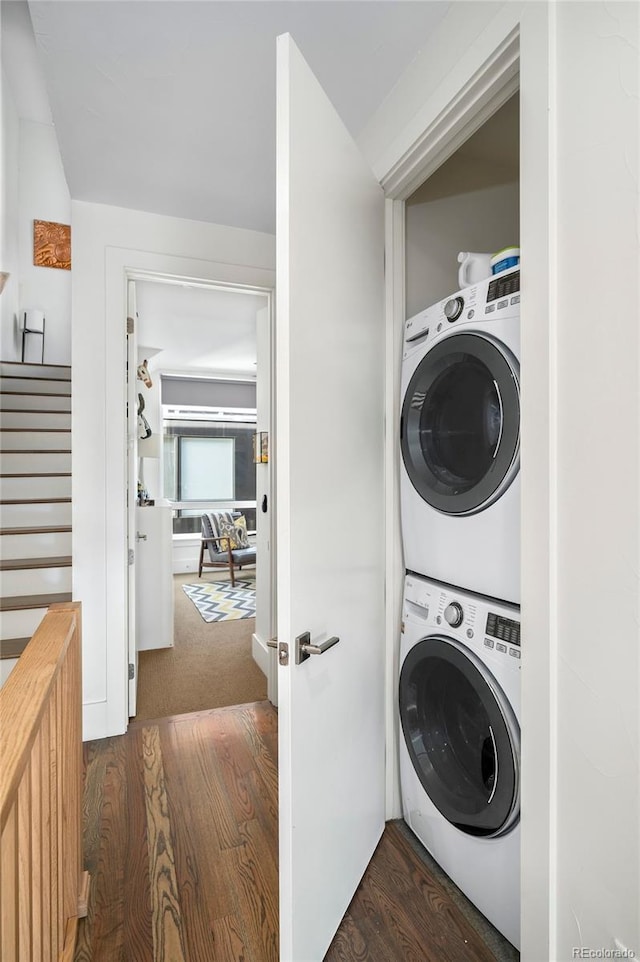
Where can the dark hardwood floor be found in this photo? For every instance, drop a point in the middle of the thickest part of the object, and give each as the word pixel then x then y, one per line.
pixel 180 823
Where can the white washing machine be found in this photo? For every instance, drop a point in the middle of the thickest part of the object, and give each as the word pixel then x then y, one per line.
pixel 459 702
pixel 460 439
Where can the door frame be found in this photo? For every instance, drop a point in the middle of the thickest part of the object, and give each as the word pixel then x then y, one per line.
pixel 518 56
pixel 122 265
pixel 265 658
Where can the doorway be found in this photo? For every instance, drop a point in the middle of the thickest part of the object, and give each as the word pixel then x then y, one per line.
pixel 199 348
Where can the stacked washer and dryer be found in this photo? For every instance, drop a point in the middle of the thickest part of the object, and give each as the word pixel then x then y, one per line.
pixel 459 690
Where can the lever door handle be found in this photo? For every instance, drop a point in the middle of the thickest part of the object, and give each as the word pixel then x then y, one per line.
pixel 304 648
pixel 272 643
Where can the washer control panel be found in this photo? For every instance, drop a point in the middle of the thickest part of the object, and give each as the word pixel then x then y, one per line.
pixel 474 619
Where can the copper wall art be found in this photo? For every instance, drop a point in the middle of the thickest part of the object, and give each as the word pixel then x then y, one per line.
pixel 51 244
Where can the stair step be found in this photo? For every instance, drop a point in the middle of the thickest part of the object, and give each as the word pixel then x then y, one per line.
pixel 35 501
pixel 37 419
pixel 31 439
pixel 13 647
pixel 23 564
pixel 23 487
pixel 35 513
pixel 11 401
pixel 32 581
pixel 39 376
pixel 21 602
pixel 21 623
pixel 35 462
pixel 35 543
pixel 41 530
pixel 33 385
pixel 18 368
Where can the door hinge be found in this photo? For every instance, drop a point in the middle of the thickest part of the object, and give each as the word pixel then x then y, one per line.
pixel 130 325
pixel 132 671
pixel 131 557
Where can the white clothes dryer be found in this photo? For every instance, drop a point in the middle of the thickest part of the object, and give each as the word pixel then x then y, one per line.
pixel 459 703
pixel 460 439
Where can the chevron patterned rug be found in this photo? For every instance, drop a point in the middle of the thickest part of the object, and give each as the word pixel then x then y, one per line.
pixel 220 602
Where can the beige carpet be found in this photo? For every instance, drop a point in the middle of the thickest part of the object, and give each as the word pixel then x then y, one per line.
pixel 210 665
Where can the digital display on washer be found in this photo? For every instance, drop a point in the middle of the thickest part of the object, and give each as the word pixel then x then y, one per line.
pixel 504 285
pixel 503 628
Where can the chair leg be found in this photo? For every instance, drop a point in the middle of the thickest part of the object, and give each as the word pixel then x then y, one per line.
pixel 200 560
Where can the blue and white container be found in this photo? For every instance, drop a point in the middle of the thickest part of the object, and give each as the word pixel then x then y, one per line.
pixel 504 259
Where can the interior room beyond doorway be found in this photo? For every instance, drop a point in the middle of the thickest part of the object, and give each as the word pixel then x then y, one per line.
pixel 199 347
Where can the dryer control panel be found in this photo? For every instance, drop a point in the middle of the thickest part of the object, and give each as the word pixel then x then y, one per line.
pixel 503 292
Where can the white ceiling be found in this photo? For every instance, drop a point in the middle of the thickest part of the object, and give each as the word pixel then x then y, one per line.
pixel 169 105
pixel 197 330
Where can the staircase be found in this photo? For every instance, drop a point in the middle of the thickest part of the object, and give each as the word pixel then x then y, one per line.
pixel 35 498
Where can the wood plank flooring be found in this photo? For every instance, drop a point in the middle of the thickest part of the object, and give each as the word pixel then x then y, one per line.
pixel 180 822
pixel 180 834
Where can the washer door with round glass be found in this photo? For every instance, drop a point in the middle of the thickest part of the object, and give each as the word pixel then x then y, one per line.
pixel 462 737
pixel 460 427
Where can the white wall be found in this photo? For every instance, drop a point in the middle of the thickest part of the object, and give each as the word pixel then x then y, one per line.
pixel 44 195
pixel 479 220
pixel 9 222
pixel 598 341
pixel 108 243
pixel 33 188
pixel 581 443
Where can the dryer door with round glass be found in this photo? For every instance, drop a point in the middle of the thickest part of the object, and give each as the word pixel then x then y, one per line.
pixel 462 737
pixel 460 427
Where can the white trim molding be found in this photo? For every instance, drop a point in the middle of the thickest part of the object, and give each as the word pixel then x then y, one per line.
pixel 478 99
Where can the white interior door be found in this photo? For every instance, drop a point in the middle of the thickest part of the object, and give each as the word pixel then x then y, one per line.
pixel 330 522
pixel 132 489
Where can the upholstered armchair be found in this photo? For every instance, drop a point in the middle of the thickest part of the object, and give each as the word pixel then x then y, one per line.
pixel 224 535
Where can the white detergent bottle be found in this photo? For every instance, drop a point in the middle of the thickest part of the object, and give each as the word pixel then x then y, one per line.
pixel 474 267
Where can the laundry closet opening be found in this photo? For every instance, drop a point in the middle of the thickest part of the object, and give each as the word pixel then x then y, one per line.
pixel 459 658
pixel 201 463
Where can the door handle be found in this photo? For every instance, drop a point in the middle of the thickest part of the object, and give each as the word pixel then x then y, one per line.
pixel 264 504
pixel 304 648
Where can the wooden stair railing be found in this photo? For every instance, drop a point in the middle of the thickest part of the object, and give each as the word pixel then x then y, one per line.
pixel 43 890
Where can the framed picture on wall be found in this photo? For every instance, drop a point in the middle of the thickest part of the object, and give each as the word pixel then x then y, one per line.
pixel 264 447
pixel 261 447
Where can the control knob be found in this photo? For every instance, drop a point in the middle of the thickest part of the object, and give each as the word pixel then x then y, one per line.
pixel 453 614
pixel 453 309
